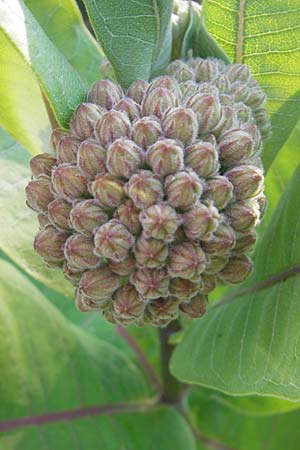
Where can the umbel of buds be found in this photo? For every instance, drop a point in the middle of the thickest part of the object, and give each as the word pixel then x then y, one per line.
pixel 151 198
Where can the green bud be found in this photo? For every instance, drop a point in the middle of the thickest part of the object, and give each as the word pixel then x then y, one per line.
pixel 127 303
pixel 144 189
pixel 243 215
pixel 163 310
pixel 129 107
pixel 91 159
pixel 165 157
pixel 165 82
pixel 79 252
pixel 245 242
pixel 150 253
pixel 222 83
pixel 160 221
pixel 183 289
pixel 255 133
pixel 42 164
pixel 137 90
pixel 234 146
pixel 206 69
pixel 207 109
pixel 99 283
pixel 237 270
pixel 243 113
pixel 216 263
pixel 262 205
pixel 84 119
pixel 208 283
pixel 38 193
pixel 220 190
pixel 181 124
pixel 202 157
pixel 124 158
pixel 146 131
pixel 239 91
pixel 174 66
pixel 247 181
pixel 195 308
pixel 49 244
pixel 184 74
pixel 263 122
pixel 67 149
pixel 86 215
pixel 256 98
pixel 105 93
pixel 188 88
pixel 108 190
pixel 56 136
pixel 68 183
pixel 228 120
pixel 186 260
pixel 157 101
pixel 222 241
pixel 128 215
pixel 111 126
pixel 151 283
pixel 200 221
pixel 123 268
pixel 183 189
pixel 238 72
pixel 113 241
pixel 58 213
pixel 87 304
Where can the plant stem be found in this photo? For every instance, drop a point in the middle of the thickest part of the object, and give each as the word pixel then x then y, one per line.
pixel 172 388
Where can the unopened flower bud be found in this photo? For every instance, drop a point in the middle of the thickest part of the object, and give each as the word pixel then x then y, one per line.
pixel 184 74
pixel 234 146
pixel 174 66
pixel 56 136
pixel 151 283
pixel 137 89
pixel 165 157
pixel 206 69
pixel 160 221
pixel 71 274
pixel 91 159
pixel 108 190
pixel 245 242
pixel 127 302
pixel 123 268
pixel 43 219
pixel 183 189
pixel 111 126
pixel 42 164
pixel 128 215
pixel 243 215
pixel 49 244
pixel 200 221
pixel 227 121
pixel 105 93
pixel 146 131
pixel 79 252
pixel 84 119
pixel 262 205
pixel 237 270
pixel 129 107
pixel 67 149
pixel 87 304
pixel 58 213
pixel 195 308
pixel 263 122
pixel 243 113
pixel 220 190
pixel 157 101
pixel 247 181
pixel 113 240
pixel 181 124
pixel 208 283
pixel 226 100
pixel 208 88
pixel 256 98
pixel 207 109
pixel 68 182
pixel 222 241
pixel 165 82
pixel 144 189
pixel 202 157
pixel 150 253
pixel 188 88
pixel 254 133
pixel 38 193
pixel 186 260
pixel 87 215
pixel 222 83
pixel 124 158
pixel 239 91
pixel 216 263
pixel 238 72
pixel 163 309
pixel 99 283
pixel 183 289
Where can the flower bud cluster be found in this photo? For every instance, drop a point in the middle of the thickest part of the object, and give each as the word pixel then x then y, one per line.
pixel 152 197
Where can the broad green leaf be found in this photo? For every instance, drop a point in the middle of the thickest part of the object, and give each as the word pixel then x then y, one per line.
pixel 265 35
pixel 60 82
pixel 132 34
pixel 251 345
pixel 62 22
pixel 207 46
pixel 18 223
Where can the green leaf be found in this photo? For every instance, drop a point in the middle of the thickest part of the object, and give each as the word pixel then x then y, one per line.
pixel 62 22
pixel 18 223
pixel 132 35
pixel 264 35
pixel 207 46
pixel 60 82
pixel 250 345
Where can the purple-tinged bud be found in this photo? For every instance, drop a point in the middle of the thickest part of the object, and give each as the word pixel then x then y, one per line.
pixel 247 181
pixel 108 190
pixel 200 221
pixel 220 190
pixel 179 236
pixel 208 110
pixel 87 215
pixel 202 157
pixel 113 241
pixel 183 189
pixel 222 83
pixel 38 193
pixel 71 274
pixel 184 74
pixel 263 122
pixel 243 215
pixel 183 289
pixel 256 98
pixel 56 136
pixel 186 260
pixel 254 132
pixel 42 164
pixel 129 107
pixel 128 215
pixel 181 124
pixel 43 219
pixel 195 308
pixel 216 263
pixel 174 66
pixel 67 149
pixel 226 100
pixel 86 304
pixel 157 101
pixel 91 159
pixel 68 182
pixel 150 253
pixel 235 145
pixel 105 93
pixel 84 119
pixel 49 244
pixel 238 72
pixel 99 283
pixel 228 120
pixel 262 205
pixel 206 69
pixel 245 242
pixel 165 157
pixel 111 126
pixel 79 252
pixel 144 189
pixel 151 283
pixel 146 131
pixel 222 241
pixel 127 303
pixel 243 113
pixel 137 90
pixel 210 138
pixel 208 88
pixel 123 268
pixel 208 283
pixel 124 158
pixel 163 309
pixel 239 91
pixel 237 270
pixel 108 315
pixel 58 213
pixel 160 221
pixel 165 82
pixel 188 88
